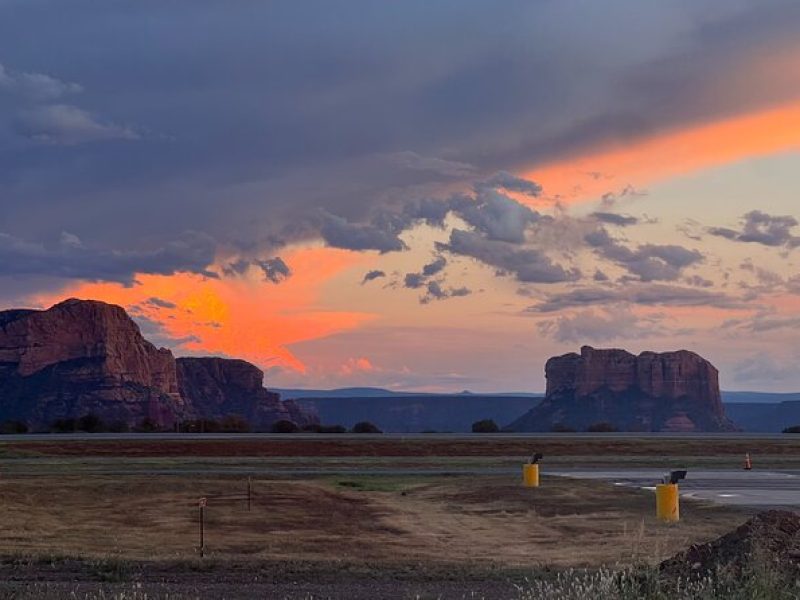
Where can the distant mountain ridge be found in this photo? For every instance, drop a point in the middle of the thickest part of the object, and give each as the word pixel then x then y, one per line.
pixel 755 417
pixel 416 413
pixel 374 392
pixel 760 397
pixel 728 397
pixel 403 412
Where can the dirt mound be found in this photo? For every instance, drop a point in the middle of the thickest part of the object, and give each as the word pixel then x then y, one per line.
pixel 770 538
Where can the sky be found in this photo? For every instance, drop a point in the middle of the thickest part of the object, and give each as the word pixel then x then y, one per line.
pixel 420 195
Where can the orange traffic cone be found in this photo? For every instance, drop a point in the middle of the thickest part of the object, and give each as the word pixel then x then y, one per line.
pixel 747 462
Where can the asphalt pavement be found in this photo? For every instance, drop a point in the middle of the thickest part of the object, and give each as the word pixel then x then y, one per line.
pixel 757 488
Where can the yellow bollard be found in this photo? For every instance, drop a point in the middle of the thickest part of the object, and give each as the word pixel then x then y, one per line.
pixel 667 508
pixel 530 475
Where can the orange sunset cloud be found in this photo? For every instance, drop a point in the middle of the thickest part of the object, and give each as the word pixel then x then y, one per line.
pixel 672 153
pixel 241 316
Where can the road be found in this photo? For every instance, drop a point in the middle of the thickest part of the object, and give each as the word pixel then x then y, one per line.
pixel 773 488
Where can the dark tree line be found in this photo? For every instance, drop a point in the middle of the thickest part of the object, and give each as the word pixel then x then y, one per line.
pixel 92 423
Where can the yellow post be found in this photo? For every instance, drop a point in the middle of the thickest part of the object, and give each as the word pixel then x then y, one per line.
pixel 667 508
pixel 530 475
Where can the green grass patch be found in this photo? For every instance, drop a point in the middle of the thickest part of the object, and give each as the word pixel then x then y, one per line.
pixel 370 483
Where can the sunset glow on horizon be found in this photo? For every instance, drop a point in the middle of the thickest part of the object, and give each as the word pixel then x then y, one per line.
pixel 412 201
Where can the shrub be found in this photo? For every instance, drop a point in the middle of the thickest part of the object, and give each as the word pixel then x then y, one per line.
pixel 13 427
pixel 63 426
pixel 366 427
pixel 118 427
pixel 485 426
pixel 234 424
pixel 200 426
pixel 561 428
pixel 333 429
pixel 147 426
pixel 792 429
pixel 317 428
pixel 284 426
pixel 90 423
pixel 602 427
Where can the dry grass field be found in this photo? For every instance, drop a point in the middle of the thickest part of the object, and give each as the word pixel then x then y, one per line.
pixel 109 531
pixel 493 519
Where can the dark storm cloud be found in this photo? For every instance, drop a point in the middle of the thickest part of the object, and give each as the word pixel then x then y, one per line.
pixel 258 115
pixel 417 280
pixel 651 294
pixel 414 280
pixel 490 211
pixel 528 265
pixel 274 269
pixel 339 233
pixel 648 262
pixel 434 267
pixel 615 219
pixel 761 228
pixel 512 183
pixel 372 275
pixel 435 291
pixel 496 215
pixel 160 303
pixel 70 259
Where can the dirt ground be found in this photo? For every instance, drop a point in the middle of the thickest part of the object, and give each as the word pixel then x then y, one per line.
pixel 68 532
pixel 492 519
pixel 362 531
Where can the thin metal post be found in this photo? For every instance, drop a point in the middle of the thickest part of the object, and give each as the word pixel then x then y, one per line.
pixel 202 505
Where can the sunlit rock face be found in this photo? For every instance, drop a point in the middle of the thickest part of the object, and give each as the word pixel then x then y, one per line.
pixel 221 387
pixel 83 357
pixel 670 391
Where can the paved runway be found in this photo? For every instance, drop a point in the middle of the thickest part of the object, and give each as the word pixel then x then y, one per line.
pixel 773 488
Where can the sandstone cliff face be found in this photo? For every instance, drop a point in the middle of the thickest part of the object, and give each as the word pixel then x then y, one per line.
pixel 671 391
pixel 83 356
pixel 220 387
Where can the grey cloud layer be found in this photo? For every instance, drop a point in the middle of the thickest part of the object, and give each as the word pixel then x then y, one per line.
pixel 648 262
pixel 264 114
pixel 647 294
pixel 34 104
pixel 761 228
pixel 70 259
pixel 598 326
pixel 528 265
